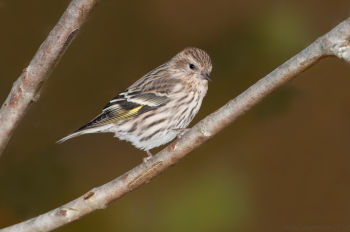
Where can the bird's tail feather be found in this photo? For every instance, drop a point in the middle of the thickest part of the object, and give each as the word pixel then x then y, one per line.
pixel 70 136
pixel 94 126
pixel 80 132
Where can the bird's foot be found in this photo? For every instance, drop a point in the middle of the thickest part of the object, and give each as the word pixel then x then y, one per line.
pixel 148 157
pixel 181 131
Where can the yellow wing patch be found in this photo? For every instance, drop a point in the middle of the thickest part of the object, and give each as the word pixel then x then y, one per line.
pixel 124 114
pixel 115 114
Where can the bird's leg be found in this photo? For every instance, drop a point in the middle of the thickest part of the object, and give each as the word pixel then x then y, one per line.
pixel 181 131
pixel 148 157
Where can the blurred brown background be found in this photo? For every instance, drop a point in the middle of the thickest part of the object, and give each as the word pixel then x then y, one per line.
pixel 284 166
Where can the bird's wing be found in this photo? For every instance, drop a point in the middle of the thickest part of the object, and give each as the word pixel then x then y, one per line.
pixel 126 105
pixel 151 91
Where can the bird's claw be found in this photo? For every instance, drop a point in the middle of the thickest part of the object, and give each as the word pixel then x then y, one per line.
pixel 148 157
pixel 181 131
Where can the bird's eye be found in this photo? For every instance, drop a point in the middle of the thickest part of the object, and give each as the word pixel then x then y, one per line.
pixel 192 66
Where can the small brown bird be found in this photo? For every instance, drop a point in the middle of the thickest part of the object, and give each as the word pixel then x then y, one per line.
pixel 159 106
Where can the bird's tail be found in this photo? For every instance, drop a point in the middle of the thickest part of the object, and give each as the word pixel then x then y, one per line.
pixel 94 126
pixel 75 134
pixel 81 132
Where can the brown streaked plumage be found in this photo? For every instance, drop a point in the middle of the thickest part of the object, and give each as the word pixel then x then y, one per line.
pixel 159 106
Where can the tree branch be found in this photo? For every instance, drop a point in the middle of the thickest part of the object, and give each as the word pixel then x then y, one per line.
pixel 333 43
pixel 27 87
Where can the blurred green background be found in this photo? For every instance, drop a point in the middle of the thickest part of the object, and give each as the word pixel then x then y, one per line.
pixel 284 166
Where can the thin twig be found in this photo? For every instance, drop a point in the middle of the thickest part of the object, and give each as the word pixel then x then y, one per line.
pixel 27 87
pixel 334 43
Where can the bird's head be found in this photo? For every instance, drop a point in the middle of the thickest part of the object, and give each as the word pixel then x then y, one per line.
pixel 192 63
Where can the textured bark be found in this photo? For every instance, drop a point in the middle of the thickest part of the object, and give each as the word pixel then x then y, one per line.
pixel 333 43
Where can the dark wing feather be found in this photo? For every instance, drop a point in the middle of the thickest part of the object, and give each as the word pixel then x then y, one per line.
pixel 122 107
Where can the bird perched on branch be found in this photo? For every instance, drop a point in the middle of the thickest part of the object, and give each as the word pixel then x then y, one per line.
pixel 159 106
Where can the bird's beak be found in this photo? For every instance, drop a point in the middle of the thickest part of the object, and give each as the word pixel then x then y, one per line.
pixel 205 75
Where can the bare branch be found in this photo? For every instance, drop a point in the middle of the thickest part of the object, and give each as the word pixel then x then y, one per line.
pixel 337 41
pixel 27 87
pixel 333 43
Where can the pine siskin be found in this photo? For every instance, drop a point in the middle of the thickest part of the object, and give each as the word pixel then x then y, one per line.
pixel 159 106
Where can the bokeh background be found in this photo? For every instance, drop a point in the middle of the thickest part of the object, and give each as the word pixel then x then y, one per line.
pixel 284 166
